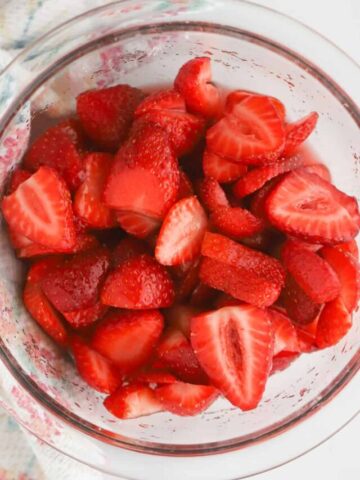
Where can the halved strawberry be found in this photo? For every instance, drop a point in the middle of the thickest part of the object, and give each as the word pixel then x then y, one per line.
pixel 236 222
pixel 211 194
pixel 222 169
pixel 299 306
pixel 88 203
pixel 308 207
pixel 334 323
pixel 137 224
pixel 181 233
pixel 179 317
pixel 285 336
pixel 132 401
pixel 138 283
pixel 349 247
pixel 106 114
pixel 185 186
pixel 193 81
pixel 17 178
pixel 127 248
pixel 40 209
pixel 252 134
pixel 298 132
pixel 161 100
pixel 87 316
pixel 175 351
pixel 146 159
pixel 60 147
pixel 234 345
pixel 38 305
pixel 347 270
pixel 258 177
pixel 96 370
pixel 75 284
pixel 83 243
pixel 311 272
pixel 237 96
pixel 244 273
pixel 186 399
pixel 128 339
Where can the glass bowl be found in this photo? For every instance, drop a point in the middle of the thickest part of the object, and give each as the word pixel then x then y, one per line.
pixel 144 43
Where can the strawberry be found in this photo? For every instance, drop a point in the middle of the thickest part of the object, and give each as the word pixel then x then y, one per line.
pixel 308 207
pixel 151 377
pixel 176 353
pixel 347 269
pixel 255 179
pixel 244 273
pixel 17 178
pixel 202 296
pixel 234 346
pixel 334 323
pixel 298 132
pixel 258 200
pixel 185 399
pixel 106 114
pixel 193 81
pixel 133 401
pixel 307 335
pixel 222 169
pixel 299 306
pixel 317 169
pixel 187 282
pixel 88 204
pixel 87 316
pixel 37 304
pixel 311 272
pixel 75 284
pixel 237 96
pixel 146 159
pixel 96 370
pixel 83 243
pixel 137 224
pixel 236 222
pixel 282 361
pixel 161 100
pixel 179 317
pixel 40 209
pixel 185 186
pixel 212 195
pixel 181 233
pixel 138 283
pixel 128 339
pixel 60 147
pixel 285 336
pixel 267 240
pixel 127 248
pixel 349 247
pixel 252 134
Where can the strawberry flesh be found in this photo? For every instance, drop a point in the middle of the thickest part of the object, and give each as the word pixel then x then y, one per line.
pixel 185 399
pixel 298 132
pixel 236 222
pixel 132 401
pixel 299 306
pixel 222 169
pixel 334 323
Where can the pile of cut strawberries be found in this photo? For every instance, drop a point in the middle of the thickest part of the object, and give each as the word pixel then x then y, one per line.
pixel 181 244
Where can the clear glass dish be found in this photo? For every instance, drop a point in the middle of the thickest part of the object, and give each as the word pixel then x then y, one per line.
pixel 144 43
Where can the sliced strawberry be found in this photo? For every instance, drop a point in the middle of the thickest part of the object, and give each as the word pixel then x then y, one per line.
pixel 154 377
pixel 237 96
pixel 308 207
pixel 298 132
pixel 137 224
pixel 347 270
pixel 179 317
pixel 222 169
pixel 127 248
pixel 40 209
pixel 334 323
pixel 299 306
pixel 285 336
pixel 349 247
pixel 83 243
pixel 75 284
pixel 128 339
pixel 244 273
pixel 318 169
pixel 133 401
pixel 86 316
pixel 96 370
pixel 185 186
pixel 194 83
pixel 211 194
pixel 88 204
pixel 252 134
pixel 61 148
pixel 106 114
pixel 161 100
pixel 175 351
pixel 38 305
pixel 236 222
pixel 146 159
pixel 267 240
pixel 185 399
pixel 312 247
pixel 17 178
pixel 307 336
pixel 258 200
pixel 282 361
pixel 235 347
pixel 138 283
pixel 258 177
pixel 312 273
pixel 181 233
pixel 187 282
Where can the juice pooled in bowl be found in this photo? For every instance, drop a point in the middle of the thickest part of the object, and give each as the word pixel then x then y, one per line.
pixel 183 244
